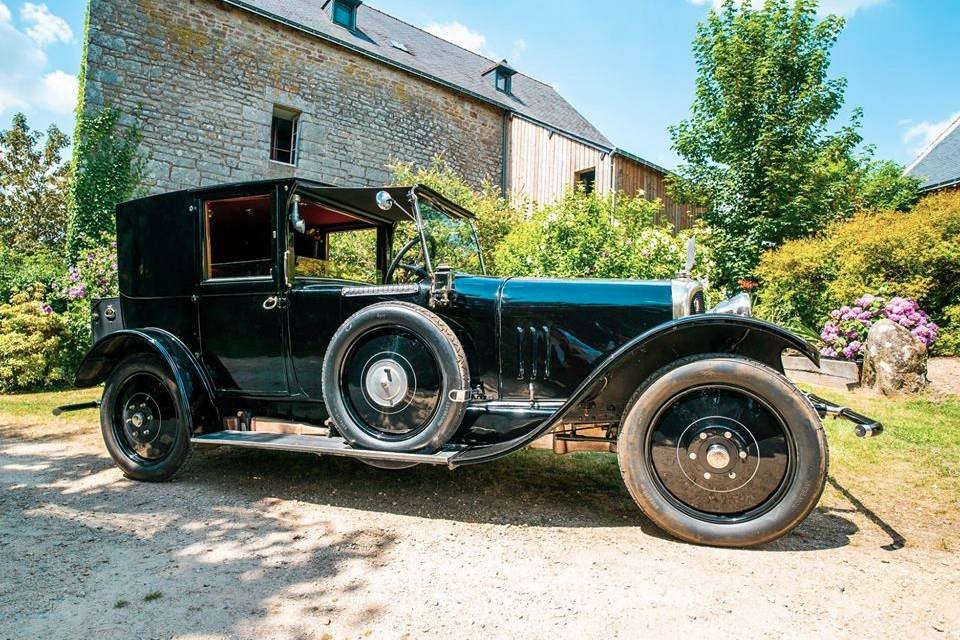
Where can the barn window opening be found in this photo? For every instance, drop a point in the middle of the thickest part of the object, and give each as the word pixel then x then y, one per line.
pixel 283 135
pixel 587 180
pixel 345 13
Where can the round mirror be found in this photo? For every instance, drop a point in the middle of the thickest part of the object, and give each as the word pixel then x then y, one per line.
pixel 385 200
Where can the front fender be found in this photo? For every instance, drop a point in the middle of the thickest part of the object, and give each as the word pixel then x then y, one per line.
pixel 196 393
pixel 603 396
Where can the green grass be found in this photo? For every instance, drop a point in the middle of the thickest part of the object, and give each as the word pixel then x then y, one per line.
pixel 153 595
pixel 919 448
pixel 35 405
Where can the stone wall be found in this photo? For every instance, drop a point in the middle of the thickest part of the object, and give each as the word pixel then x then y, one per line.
pixel 201 80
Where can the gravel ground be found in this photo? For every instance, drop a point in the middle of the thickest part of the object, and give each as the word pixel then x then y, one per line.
pixel 944 375
pixel 259 545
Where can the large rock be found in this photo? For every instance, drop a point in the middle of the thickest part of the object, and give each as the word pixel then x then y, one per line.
pixel 894 361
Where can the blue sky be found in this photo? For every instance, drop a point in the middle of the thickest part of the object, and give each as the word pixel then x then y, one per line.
pixel 625 64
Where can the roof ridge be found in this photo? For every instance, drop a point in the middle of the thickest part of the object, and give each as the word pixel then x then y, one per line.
pixel 943 135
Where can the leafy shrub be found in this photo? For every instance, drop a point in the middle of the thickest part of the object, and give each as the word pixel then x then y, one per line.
pixel 31 342
pixel 596 236
pixel 912 255
pixel 93 276
pixel 21 269
pixel 847 329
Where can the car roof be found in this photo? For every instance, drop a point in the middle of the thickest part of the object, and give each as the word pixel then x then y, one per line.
pixel 352 200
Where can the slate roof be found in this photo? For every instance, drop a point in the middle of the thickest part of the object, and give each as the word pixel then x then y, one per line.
pixel 432 57
pixel 939 164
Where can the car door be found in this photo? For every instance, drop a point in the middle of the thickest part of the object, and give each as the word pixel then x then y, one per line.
pixel 240 301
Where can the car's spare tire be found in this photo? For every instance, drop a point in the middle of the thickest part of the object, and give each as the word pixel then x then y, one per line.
pixel 393 378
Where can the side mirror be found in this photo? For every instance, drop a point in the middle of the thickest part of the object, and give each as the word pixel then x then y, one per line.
pixel 299 224
pixel 385 200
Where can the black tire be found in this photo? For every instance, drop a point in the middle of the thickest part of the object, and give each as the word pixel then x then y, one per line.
pixel 160 447
pixel 667 466
pixel 429 362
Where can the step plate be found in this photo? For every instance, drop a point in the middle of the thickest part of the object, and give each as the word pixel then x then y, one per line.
pixel 319 445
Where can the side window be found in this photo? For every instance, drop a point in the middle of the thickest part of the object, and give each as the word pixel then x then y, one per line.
pixel 239 238
pixel 344 255
pixel 586 179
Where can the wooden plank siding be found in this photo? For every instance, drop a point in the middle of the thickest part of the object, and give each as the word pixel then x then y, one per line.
pixel 631 176
pixel 543 164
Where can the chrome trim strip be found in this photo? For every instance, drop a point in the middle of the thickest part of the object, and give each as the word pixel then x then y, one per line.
pixel 385 290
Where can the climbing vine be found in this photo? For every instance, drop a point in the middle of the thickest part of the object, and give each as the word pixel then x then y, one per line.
pixel 107 169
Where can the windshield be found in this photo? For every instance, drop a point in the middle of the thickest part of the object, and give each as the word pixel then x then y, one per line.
pixel 451 241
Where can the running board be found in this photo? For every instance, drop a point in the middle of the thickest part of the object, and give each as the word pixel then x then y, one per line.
pixel 321 446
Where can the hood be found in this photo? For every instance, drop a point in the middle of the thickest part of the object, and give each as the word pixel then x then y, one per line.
pixel 553 332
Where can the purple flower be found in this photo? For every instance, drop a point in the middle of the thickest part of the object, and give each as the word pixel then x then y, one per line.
pixel 76 292
pixel 46 309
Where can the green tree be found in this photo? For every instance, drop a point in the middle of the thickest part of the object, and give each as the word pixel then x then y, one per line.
pixel 884 187
pixel 758 150
pixel 33 187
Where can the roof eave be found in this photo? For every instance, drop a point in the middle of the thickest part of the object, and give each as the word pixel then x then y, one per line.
pixel 240 4
pixel 946 184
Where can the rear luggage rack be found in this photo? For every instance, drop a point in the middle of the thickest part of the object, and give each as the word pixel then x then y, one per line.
pixel 865 427
pixel 321 446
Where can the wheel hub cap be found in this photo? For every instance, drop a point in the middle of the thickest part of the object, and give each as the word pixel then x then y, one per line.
pixel 717 456
pixel 386 383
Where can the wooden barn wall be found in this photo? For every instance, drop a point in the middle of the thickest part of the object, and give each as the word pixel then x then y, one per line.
pixel 542 164
pixel 631 176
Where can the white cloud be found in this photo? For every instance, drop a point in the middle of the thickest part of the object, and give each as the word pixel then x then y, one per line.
pixel 25 81
pixel 43 27
pixel 459 34
pixel 921 135
pixel 58 92
pixel 846 8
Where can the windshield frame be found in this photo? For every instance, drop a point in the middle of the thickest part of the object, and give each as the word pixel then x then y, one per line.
pixel 444 208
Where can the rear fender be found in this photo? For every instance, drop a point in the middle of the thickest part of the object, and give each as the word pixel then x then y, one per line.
pixel 196 394
pixel 603 396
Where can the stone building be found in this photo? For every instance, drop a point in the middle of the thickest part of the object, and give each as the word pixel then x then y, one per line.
pixel 334 90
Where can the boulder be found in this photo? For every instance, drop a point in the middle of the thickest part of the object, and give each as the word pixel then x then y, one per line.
pixel 894 362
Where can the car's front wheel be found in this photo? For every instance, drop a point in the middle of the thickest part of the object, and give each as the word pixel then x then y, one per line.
pixel 723 451
pixel 142 422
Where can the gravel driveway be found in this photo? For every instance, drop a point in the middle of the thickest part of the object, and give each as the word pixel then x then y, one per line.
pixel 258 545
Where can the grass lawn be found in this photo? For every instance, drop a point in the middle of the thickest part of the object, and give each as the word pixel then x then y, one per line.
pixel 909 476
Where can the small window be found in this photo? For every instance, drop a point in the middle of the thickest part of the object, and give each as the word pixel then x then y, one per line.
pixel 239 238
pixel 587 179
pixel 345 13
pixel 504 82
pixel 283 135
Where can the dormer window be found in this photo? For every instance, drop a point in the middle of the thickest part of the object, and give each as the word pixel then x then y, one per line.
pixel 502 76
pixel 344 13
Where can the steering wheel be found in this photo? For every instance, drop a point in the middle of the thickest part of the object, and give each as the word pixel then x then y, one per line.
pixel 397 264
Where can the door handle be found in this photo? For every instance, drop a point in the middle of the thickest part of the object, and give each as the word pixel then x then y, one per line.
pixel 271 303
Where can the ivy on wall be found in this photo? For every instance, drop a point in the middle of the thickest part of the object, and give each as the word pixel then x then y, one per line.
pixel 107 169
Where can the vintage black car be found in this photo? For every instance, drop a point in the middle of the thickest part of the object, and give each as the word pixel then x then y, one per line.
pixel 295 316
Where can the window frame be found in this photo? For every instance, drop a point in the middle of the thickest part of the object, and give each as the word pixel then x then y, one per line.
pixel 506 78
pixel 294 116
pixel 205 247
pixel 578 179
pixel 351 10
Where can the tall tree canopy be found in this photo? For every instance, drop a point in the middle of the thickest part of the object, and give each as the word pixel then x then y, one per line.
pixel 33 187
pixel 758 150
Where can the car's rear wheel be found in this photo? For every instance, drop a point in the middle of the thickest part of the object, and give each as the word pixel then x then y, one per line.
pixel 392 379
pixel 723 451
pixel 142 422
